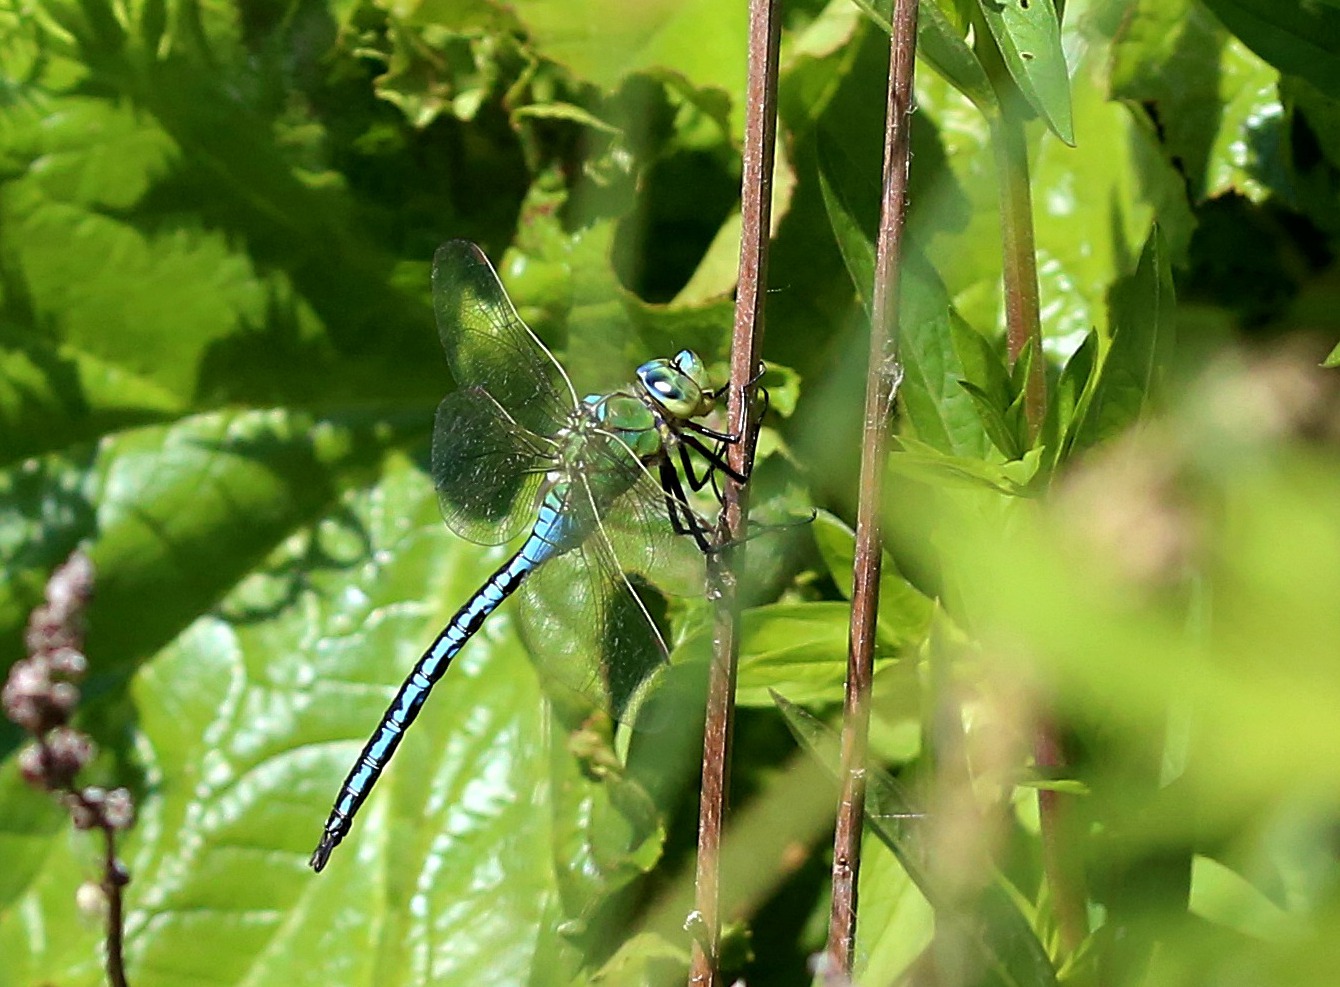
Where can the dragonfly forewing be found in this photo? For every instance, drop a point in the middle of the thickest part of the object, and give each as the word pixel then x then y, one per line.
pixel 489 347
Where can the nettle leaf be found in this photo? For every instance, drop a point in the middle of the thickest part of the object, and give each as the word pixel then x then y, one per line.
pixel 606 41
pixel 1028 34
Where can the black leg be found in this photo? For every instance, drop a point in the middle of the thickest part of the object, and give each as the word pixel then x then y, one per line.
pixel 696 482
pixel 682 517
pixel 714 457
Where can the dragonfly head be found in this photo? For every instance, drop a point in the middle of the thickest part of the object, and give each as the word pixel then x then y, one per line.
pixel 678 385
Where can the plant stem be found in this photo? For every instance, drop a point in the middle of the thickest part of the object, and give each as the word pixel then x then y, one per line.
pixel 883 375
pixel 114 879
pixel 1022 315
pixel 756 219
pixel 1023 327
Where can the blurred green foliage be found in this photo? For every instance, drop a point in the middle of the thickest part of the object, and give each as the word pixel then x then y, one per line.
pixel 218 370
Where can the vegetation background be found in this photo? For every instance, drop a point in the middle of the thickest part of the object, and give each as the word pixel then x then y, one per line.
pixel 218 370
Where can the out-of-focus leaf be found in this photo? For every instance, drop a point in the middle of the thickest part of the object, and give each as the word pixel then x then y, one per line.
pixel 1002 935
pixel 919 461
pixel 1028 34
pixel 1333 358
pixel 1217 105
pixel 1223 896
pixel 1299 38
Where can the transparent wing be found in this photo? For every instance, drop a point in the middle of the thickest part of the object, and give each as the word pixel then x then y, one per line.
pixel 486 467
pixel 489 347
pixel 591 634
pixel 589 615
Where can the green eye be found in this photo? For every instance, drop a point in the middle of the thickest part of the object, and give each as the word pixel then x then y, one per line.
pixel 674 384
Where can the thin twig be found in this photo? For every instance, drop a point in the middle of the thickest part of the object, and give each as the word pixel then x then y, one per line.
pixel 756 220
pixel 882 378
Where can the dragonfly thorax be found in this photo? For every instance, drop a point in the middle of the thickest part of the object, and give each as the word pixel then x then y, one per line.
pixel 625 417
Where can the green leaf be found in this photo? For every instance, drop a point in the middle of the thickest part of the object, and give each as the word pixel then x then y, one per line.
pixel 1069 398
pixel 1332 358
pixel 1299 38
pixel 799 647
pixel 1001 432
pixel 982 365
pixel 942 44
pixel 1028 34
pixel 904 611
pixel 1225 897
pixel 607 41
pixel 1217 104
pixel 935 406
pixel 919 461
pixel 1143 320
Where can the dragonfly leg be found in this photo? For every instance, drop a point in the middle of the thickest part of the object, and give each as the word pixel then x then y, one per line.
pixel 717 461
pixel 696 482
pixel 683 520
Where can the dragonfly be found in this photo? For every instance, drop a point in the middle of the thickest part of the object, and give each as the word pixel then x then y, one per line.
pixel 600 480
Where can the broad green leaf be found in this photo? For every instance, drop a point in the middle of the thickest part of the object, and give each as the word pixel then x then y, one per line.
pixel 800 648
pixel 919 461
pixel 1223 896
pixel 607 41
pixel 1028 34
pixel 1332 358
pixel 1298 38
pixel 904 611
